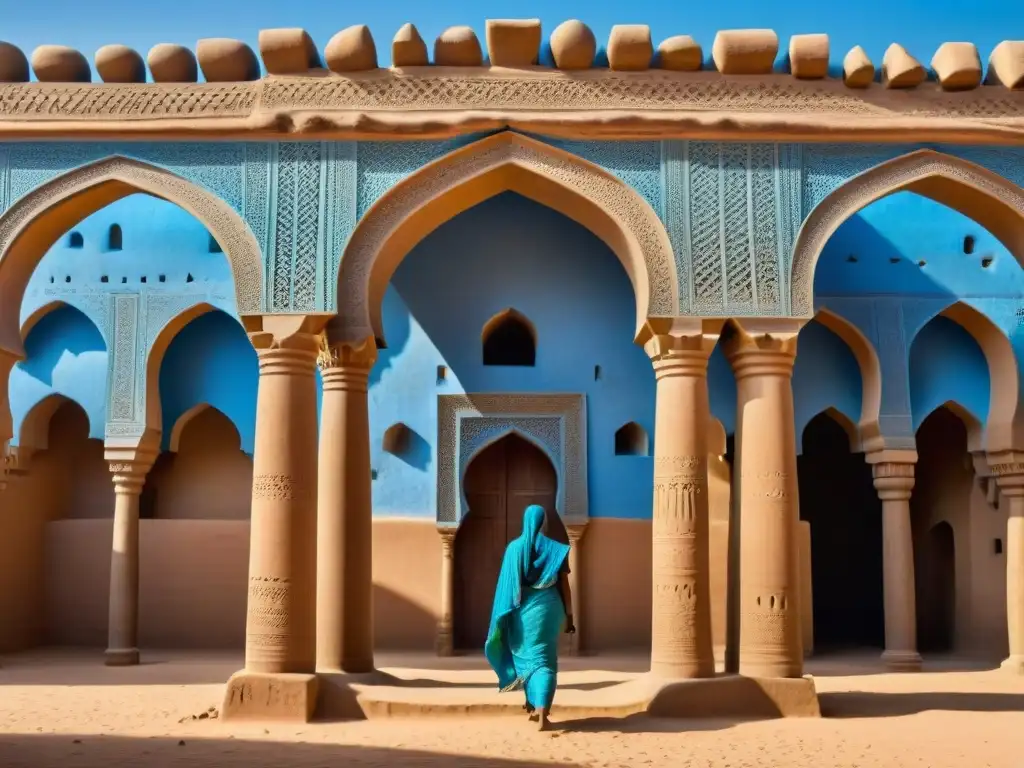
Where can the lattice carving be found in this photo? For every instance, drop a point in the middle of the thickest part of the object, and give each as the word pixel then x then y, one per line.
pixel 127 101
pixel 122 362
pixel 860 191
pixel 599 188
pixel 466 423
pixel 240 247
pixel 340 215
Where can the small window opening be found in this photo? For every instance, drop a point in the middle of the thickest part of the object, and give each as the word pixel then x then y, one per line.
pixel 214 246
pixel 104 279
pixel 124 280
pixel 986 262
pixel 509 339
pixel 51 278
pixel 189 278
pixel 969 244
pixel 442 373
pixel 373 474
pixel 75 240
pixel 67 278
pixel 852 259
pixel 997 546
pixel 631 440
pixel 162 278
pixel 597 373
pixel 143 279
pixel 921 263
pixel 397 439
pixel 114 238
pixel 894 260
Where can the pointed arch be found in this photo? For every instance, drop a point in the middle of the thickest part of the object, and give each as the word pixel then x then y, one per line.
pixel 976 437
pixel 155 358
pixel 986 197
pixel 509 338
pixel 507 161
pixel 31 226
pixel 867 434
pixel 35 427
pixel 631 440
pixel 842 421
pixel 1004 411
pixel 182 422
pixel 115 238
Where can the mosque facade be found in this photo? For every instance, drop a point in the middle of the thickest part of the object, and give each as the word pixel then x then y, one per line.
pixel 286 356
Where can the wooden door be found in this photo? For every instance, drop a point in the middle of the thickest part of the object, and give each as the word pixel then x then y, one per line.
pixel 501 482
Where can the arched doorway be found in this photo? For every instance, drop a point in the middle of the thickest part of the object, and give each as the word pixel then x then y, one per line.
pixel 937 612
pixel 838 500
pixel 500 483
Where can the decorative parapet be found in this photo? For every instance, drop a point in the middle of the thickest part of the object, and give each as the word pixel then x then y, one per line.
pixel 441 102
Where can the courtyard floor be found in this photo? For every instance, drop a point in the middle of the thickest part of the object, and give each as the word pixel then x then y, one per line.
pixel 63 708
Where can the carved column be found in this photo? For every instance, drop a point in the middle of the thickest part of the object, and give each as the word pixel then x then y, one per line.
pixel 445 637
pixel 1009 470
pixel 894 482
pixel 575 531
pixel 771 642
pixel 123 610
pixel 344 592
pixel 280 627
pixel 681 600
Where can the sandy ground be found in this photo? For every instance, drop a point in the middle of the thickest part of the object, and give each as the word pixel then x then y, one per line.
pixel 67 710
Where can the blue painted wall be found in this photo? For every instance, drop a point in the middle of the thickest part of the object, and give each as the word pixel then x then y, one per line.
pixel 825 375
pixel 946 364
pixel 65 355
pixel 891 236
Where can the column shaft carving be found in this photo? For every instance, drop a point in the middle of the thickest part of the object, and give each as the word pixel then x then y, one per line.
pixel 344 594
pixel 123 607
pixel 894 482
pixel 1009 471
pixel 681 599
pixel 280 627
pixel 771 640
pixel 445 626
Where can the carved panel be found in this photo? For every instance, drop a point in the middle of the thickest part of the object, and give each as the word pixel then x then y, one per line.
pixel 122 361
pixel 732 211
pixel 468 423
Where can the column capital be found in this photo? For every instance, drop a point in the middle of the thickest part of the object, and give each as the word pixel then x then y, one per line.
pixel 285 344
pixel 894 480
pixel 762 346
pixel 129 476
pixel 447 533
pixel 575 532
pixel 334 354
pixel 1008 469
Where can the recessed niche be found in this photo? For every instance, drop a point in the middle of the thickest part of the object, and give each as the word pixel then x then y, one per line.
pixel 921 263
pixel 115 238
pixel 75 240
pixel 397 439
pixel 509 339
pixel 67 278
pixel 597 373
pixel 631 440
pixel 851 259
pixel 442 373
pixel 997 546
pixel 894 260
pixel 189 278
pixel 162 278
pixel 986 262
pixel 104 279
pixel 143 279
pixel 969 244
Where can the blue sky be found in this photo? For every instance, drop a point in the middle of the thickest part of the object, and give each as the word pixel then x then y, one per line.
pixel 873 24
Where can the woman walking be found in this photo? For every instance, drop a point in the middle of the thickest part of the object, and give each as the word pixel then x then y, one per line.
pixel 531 606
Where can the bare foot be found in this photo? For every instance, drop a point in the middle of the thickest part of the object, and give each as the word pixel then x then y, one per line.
pixel 542 720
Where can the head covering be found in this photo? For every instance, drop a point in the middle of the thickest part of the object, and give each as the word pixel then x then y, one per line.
pixel 532 561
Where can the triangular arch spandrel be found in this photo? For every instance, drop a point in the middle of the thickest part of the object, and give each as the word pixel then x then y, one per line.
pixel 440 190
pixel 986 197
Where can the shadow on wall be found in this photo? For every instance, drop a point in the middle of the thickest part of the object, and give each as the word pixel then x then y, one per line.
pixel 399 624
pixel 947 364
pixel 825 375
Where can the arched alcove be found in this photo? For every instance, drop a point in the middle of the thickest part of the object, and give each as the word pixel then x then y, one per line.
pixel 631 440
pixel 839 502
pixel 207 477
pixel 115 238
pixel 509 338
pixel 76 240
pixel 941 520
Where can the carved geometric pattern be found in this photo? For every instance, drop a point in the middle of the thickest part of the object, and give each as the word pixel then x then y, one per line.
pixel 5 178
pixel 123 368
pixel 729 210
pixel 240 247
pixel 860 191
pixel 340 216
pixel 504 149
pixel 391 91
pixel 468 423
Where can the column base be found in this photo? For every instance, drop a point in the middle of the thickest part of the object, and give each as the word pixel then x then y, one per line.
pixel 902 661
pixel 288 697
pixel 785 670
pixel 121 657
pixel 1014 665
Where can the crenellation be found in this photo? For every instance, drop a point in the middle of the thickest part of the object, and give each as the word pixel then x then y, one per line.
pixel 351 50
pixel 408 48
pixel 900 69
pixel 858 70
pixel 680 53
pixel 745 51
pixel 171 63
pixel 808 56
pixel 957 66
pixel 630 48
pixel 1006 65
pixel 13 64
pixel 120 64
pixel 458 47
pixel 288 51
pixel 513 42
pixel 60 64
pixel 223 60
